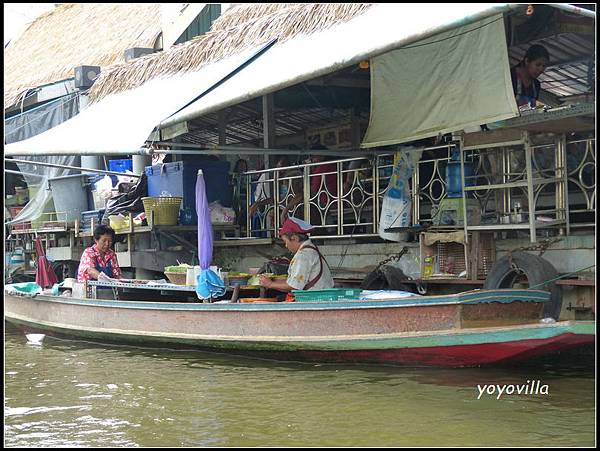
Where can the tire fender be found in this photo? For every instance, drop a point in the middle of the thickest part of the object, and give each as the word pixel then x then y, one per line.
pixel 537 270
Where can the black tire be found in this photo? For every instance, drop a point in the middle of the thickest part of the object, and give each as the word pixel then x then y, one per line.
pixel 386 278
pixel 375 280
pixel 537 270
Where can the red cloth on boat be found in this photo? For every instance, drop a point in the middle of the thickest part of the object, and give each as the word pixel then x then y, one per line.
pixel 45 276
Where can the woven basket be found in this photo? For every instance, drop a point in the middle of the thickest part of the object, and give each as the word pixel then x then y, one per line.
pixel 166 209
pixel 178 278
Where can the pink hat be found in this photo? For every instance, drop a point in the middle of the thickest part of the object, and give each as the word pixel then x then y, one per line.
pixel 294 225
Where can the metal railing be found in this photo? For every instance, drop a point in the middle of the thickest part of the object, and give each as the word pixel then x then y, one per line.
pixel 344 196
pixel 581 180
pixel 359 184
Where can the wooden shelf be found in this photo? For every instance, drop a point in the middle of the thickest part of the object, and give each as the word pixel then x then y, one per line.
pixel 576 282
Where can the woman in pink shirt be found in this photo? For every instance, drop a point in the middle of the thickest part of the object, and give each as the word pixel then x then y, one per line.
pixel 99 261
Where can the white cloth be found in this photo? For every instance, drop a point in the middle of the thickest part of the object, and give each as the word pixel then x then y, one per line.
pixel 367 295
pixel 263 188
pixel 305 266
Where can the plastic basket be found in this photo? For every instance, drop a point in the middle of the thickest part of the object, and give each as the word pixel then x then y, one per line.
pixel 166 209
pixel 331 294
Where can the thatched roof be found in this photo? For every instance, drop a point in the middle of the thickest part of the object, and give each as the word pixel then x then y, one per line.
pixel 241 26
pixel 74 34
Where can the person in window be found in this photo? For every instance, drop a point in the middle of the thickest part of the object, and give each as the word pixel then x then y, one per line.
pixel 323 179
pixel 524 75
pixel 99 261
pixel 262 194
pixel 330 182
pixel 239 191
pixel 308 269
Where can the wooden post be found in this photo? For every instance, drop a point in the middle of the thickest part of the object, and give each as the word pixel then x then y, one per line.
pixel 222 118
pixel 236 293
pixel 474 256
pixel 268 106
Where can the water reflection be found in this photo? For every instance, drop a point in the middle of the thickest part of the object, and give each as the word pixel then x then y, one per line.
pixel 68 393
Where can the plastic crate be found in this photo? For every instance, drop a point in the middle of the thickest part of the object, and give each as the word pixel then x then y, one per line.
pixel 87 216
pixel 330 294
pixel 119 166
pixel 178 179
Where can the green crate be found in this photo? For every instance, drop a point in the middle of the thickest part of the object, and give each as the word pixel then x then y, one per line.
pixel 331 294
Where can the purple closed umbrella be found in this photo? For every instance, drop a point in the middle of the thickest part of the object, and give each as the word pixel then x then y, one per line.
pixel 208 284
pixel 205 231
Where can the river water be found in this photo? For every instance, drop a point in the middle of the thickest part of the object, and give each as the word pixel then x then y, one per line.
pixel 71 393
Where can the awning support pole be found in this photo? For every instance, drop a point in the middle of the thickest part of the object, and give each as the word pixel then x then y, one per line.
pixel 574 9
pixel 75 168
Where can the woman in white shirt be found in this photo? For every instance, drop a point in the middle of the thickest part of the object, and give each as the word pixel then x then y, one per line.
pixel 308 269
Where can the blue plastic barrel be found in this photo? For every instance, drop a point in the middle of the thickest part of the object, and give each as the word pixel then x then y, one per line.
pixel 453 181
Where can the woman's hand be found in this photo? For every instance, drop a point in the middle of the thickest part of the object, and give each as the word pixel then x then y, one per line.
pixel 103 277
pixel 265 281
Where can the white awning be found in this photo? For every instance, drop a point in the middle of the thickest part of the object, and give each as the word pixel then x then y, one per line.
pixel 380 29
pixel 122 122
pixel 443 84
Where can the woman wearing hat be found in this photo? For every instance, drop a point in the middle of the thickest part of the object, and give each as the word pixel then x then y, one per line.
pixel 308 269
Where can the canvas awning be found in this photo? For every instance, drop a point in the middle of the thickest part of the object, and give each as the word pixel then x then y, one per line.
pixel 122 122
pixel 446 83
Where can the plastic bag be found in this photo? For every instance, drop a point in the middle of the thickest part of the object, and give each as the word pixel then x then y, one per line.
pixel 23 289
pixel 396 205
pixel 126 178
pixel 209 285
pixel 220 214
pixel 367 295
pixel 409 264
pixel 118 221
pixel 104 187
pixel 129 202
pixel 395 212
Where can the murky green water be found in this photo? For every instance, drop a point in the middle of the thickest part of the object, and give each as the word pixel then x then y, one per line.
pixel 67 393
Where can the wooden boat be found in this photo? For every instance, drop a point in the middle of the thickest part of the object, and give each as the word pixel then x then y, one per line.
pixel 480 327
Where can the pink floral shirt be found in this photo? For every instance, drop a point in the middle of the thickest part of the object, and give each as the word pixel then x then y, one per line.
pixel 91 257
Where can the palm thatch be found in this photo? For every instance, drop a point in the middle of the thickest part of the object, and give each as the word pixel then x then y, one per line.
pixel 74 34
pixel 241 26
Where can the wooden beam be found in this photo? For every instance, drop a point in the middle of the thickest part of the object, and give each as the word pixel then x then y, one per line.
pixel 342 82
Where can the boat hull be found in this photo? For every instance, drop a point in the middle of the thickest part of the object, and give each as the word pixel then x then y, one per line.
pixel 437 333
